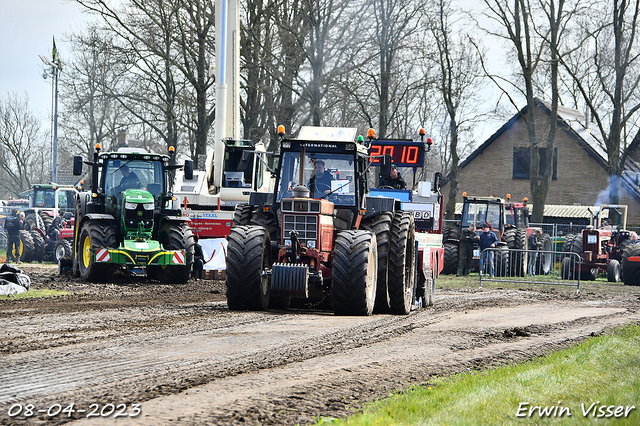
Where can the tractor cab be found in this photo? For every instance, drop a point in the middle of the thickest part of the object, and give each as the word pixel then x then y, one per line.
pixel 480 210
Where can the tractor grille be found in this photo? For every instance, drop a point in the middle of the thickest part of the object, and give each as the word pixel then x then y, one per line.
pixel 133 217
pixel 306 227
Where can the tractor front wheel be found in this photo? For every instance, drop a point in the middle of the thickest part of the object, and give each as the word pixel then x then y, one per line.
pixel 175 236
pixel 613 271
pixel 95 235
pixel 355 273
pixel 248 255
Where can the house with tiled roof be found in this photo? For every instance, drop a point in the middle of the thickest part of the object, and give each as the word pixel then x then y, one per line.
pixel 500 166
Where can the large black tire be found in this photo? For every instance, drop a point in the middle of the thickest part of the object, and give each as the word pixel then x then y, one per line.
pixel 516 239
pixel 545 260
pixel 242 215
pixel 3 239
pixel 568 243
pixel 248 255
pixel 576 247
pixel 355 273
pixel 26 247
pixel 381 227
pixel 502 261
pixel 631 268
pixel 267 221
pixel 63 250
pixel 450 258
pixel 566 270
pixel 47 220
pixel 175 236
pixel 30 222
pixel 93 235
pixel 402 255
pixel 613 271
pixel 38 245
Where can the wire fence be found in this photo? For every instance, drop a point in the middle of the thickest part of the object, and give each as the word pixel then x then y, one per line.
pixel 530 266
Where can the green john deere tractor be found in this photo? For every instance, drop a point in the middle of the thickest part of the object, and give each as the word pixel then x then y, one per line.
pixel 126 220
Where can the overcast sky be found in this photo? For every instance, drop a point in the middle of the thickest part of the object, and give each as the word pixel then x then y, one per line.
pixel 27 28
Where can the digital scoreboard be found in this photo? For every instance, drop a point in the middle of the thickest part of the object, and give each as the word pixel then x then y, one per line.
pixel 403 153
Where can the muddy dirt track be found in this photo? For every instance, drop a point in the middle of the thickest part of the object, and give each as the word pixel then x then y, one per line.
pixel 176 355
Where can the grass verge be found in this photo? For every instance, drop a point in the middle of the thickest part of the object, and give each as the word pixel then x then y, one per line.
pixel 603 371
pixel 35 293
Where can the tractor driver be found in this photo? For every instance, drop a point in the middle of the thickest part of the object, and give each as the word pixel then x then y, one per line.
pixel 127 177
pixel 320 182
pixel 394 180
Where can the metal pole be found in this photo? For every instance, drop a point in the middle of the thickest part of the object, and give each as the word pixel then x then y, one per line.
pixel 54 172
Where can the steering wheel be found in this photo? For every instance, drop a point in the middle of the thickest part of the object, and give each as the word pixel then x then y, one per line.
pixel 318 188
pixel 607 222
pixel 131 184
pixel 386 187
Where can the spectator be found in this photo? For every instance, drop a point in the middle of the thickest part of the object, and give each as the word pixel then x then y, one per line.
pixel 13 227
pixel 198 260
pixel 22 221
pixel 467 239
pixel 488 240
pixel 394 180
pixel 320 182
pixel 534 244
pixel 633 238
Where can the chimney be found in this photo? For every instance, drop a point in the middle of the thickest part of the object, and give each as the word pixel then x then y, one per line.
pixel 123 138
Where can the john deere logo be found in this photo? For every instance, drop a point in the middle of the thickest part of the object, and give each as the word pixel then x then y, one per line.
pixel 140 213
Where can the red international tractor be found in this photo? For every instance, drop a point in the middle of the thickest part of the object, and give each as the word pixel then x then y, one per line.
pixel 321 236
pixel 602 248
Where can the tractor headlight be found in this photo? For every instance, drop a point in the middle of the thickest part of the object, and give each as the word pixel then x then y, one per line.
pixel 130 206
pixel 311 243
pixel 148 206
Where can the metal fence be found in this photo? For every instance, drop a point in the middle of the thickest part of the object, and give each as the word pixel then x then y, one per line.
pixel 530 266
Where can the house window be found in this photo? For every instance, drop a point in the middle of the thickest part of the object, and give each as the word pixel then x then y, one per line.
pixel 522 161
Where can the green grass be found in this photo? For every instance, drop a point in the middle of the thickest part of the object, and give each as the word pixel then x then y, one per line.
pixel 604 370
pixel 35 293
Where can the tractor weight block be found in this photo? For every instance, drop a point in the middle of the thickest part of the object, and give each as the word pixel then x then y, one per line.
pixel 290 280
pixel 588 256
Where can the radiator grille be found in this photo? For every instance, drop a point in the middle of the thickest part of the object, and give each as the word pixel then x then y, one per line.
pixel 306 227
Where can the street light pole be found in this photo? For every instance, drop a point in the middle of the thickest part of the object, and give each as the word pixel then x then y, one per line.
pixel 55 66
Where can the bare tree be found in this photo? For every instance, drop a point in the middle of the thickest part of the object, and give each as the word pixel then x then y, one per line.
pixel 605 68
pixel 21 161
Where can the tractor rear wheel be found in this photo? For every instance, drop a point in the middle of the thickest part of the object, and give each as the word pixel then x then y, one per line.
pixel 630 266
pixel 613 271
pixel 267 221
pixel 381 227
pixel 3 239
pixel 46 220
pixel 502 261
pixel 545 261
pixel 450 258
pixel 38 245
pixel 94 235
pixel 402 263
pixel 355 273
pixel 248 255
pixel 26 248
pixel 30 222
pixel 175 236
pixel 242 215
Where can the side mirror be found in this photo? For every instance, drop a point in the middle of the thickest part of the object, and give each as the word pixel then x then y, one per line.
pixel 188 169
pixel 77 165
pixel 242 164
pixel 385 166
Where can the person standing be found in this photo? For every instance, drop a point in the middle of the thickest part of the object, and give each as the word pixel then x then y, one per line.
pixel 488 240
pixel 534 244
pixel 198 260
pixel 13 227
pixel 467 238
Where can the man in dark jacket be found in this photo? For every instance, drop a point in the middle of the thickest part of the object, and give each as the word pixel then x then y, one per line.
pixel 13 226
pixel 198 260
pixel 488 240
pixel 534 244
pixel 394 180
pixel 320 182
pixel 467 238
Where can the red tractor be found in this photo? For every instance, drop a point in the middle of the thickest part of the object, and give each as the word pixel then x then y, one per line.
pixel 601 246
pixel 322 236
